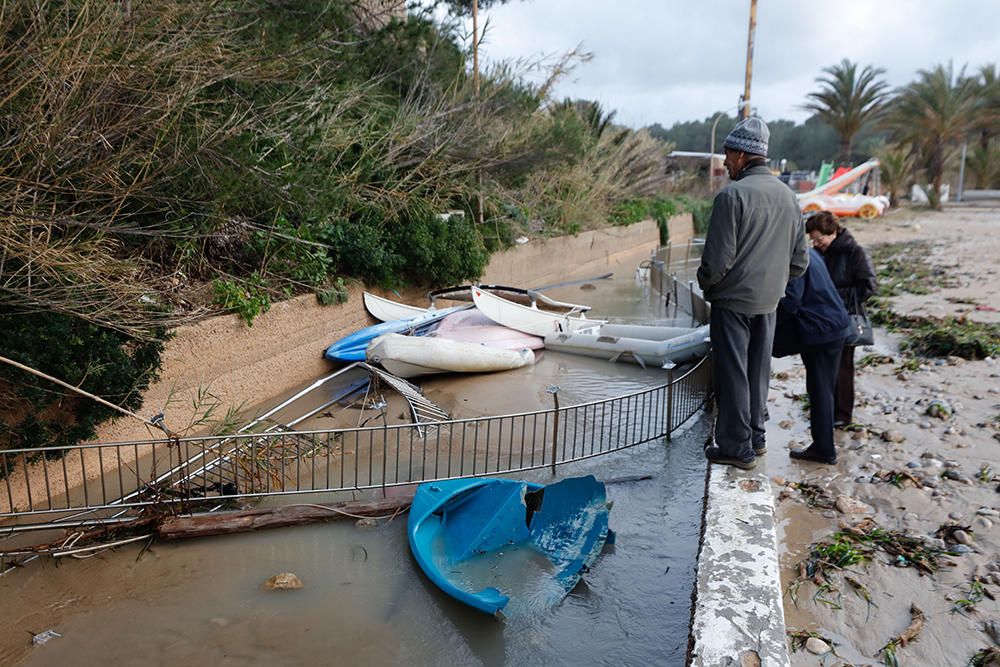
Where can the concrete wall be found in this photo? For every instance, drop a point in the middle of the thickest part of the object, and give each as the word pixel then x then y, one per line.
pixel 250 366
pixel 680 228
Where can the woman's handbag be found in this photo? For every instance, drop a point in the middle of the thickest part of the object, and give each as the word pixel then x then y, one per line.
pixel 862 332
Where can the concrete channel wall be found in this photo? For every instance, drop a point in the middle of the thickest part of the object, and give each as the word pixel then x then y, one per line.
pixel 252 366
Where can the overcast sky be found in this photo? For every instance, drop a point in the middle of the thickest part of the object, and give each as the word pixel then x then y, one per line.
pixel 664 61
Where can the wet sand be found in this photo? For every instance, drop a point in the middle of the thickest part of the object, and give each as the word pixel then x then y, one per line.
pixel 965 242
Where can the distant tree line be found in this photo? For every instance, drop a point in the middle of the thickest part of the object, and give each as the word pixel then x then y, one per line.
pixel 916 130
pixel 805 145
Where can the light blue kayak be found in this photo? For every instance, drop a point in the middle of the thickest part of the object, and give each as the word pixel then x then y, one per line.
pixel 353 346
pixel 481 539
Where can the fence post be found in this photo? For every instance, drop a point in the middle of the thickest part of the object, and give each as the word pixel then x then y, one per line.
pixel 554 390
pixel 691 292
pixel 670 366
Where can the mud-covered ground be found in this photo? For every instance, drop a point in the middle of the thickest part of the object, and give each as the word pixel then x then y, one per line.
pixel 920 469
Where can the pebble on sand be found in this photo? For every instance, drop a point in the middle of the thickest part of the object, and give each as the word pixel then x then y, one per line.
pixel 848 505
pixel 893 436
pixel 817 646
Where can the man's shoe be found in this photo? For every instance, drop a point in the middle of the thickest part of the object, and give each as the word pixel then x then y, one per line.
pixel 759 450
pixel 715 455
pixel 840 423
pixel 810 454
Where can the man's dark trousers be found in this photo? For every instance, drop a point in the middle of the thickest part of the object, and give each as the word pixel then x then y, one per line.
pixel 821 363
pixel 741 369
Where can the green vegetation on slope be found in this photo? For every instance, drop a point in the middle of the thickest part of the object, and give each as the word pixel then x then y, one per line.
pixel 154 148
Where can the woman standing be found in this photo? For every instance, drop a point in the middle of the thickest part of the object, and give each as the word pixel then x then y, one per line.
pixel 854 277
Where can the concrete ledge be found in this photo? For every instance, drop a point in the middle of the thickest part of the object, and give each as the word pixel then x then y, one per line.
pixel 738 615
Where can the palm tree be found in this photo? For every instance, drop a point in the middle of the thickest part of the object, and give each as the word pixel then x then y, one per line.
pixel 984 160
pixel 847 99
pixel 934 114
pixel 988 89
pixel 895 165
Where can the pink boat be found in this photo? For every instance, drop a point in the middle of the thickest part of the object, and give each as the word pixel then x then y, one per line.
pixel 471 326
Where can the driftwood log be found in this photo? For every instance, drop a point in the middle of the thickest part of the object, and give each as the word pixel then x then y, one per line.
pixel 226 523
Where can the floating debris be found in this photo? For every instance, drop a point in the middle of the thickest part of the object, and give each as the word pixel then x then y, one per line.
pixel 286 581
pixel 43 638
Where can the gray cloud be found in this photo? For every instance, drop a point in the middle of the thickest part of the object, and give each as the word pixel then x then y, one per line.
pixel 673 60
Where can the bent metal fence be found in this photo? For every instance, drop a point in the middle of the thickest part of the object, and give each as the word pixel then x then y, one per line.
pixel 108 481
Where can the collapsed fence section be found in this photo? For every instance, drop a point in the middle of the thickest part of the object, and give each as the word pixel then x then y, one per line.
pixel 95 481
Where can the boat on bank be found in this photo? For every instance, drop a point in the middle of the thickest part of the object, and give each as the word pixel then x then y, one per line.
pixel 482 540
pixel 387 310
pixel 645 345
pixel 412 356
pixel 352 347
pixel 466 325
pixel 531 319
pixel 471 326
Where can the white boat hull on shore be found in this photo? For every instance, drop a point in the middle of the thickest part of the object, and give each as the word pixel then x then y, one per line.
pixel 409 356
pixel 386 310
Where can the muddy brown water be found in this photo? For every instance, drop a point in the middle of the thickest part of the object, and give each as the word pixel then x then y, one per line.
pixel 364 600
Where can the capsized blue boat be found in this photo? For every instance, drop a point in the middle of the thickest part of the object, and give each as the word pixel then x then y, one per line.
pixel 352 347
pixel 468 532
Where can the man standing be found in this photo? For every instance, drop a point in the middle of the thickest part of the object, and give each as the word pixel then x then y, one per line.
pixel 754 245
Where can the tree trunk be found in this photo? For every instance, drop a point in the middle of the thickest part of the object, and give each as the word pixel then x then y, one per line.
pixel 226 523
pixel 845 149
pixel 935 174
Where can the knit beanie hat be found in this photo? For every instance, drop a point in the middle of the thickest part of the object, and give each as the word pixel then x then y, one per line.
pixel 750 136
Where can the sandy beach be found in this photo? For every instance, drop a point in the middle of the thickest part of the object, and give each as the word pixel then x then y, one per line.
pixel 923 460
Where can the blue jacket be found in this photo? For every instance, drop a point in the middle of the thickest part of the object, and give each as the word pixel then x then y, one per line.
pixel 811 309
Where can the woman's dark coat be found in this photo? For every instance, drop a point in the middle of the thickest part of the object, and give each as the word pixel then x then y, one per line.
pixel 850 269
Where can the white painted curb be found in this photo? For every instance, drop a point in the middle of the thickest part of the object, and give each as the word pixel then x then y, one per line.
pixel 738 616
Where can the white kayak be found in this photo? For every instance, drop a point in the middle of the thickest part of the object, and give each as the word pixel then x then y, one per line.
pixel 530 319
pixel 642 344
pixel 410 356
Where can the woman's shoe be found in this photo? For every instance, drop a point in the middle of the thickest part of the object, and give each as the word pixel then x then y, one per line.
pixel 810 454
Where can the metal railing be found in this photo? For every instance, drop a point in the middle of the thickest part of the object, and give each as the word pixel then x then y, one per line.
pixel 125 476
pixel 87 483
pixel 665 263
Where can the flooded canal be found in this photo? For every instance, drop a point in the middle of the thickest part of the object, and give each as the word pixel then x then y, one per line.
pixel 364 599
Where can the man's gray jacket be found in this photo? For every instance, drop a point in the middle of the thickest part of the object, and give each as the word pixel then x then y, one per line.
pixel 755 243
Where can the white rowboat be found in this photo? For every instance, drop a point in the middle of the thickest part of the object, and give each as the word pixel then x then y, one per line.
pixel 529 319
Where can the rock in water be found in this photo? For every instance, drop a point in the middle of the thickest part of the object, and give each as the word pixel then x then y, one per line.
pixel 367 522
pixel 817 646
pixel 286 581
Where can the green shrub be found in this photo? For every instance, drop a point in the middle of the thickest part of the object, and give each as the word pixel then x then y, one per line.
pixel 333 295
pixel 441 252
pixel 248 297
pixel 102 361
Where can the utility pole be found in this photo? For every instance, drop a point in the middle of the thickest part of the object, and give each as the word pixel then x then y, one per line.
pixel 746 86
pixel 475 89
pixel 475 46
